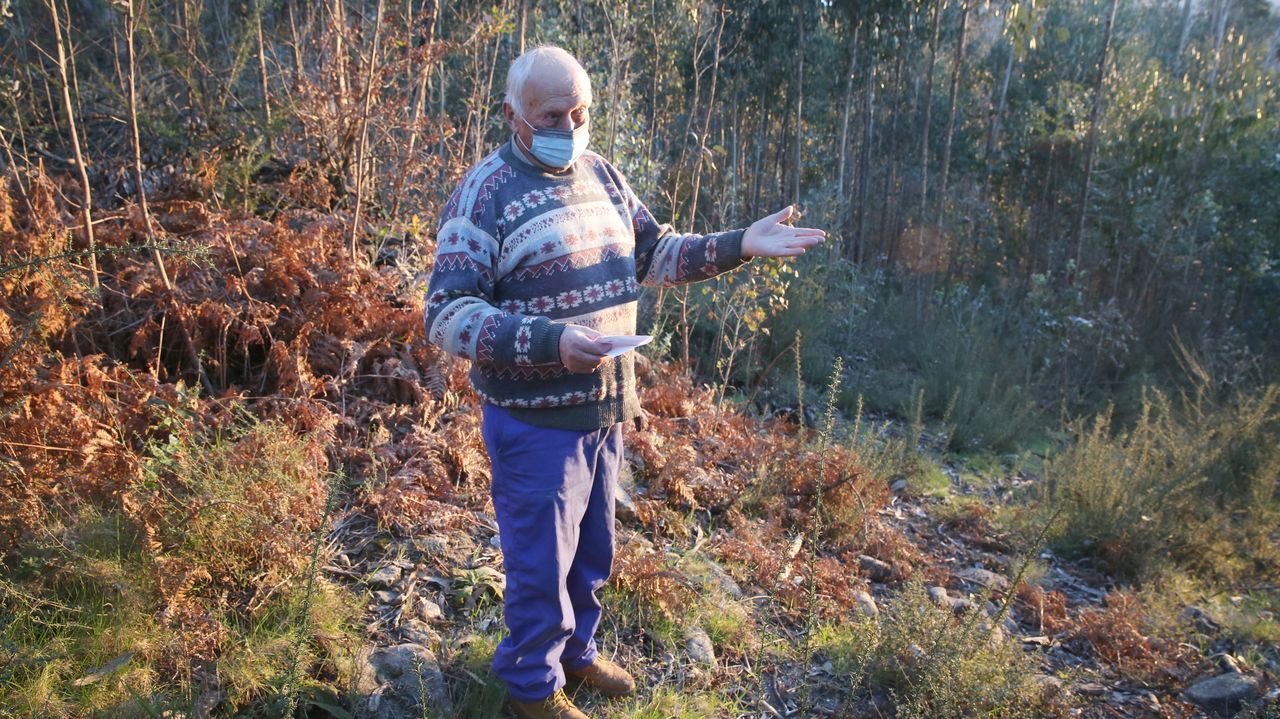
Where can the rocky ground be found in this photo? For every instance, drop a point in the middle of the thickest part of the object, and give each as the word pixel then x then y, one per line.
pixel 433 595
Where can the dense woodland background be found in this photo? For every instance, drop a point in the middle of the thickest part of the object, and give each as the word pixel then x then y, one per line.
pixel 1074 188
pixel 1054 253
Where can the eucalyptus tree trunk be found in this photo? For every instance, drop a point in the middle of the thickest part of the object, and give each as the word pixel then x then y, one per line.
pixel 298 68
pixel 522 14
pixel 364 127
pixel 864 170
pixel 429 12
pixel 685 324
pixel 262 67
pixel 795 195
pixel 1183 35
pixel 848 105
pixel 706 120
pixel 957 67
pixel 762 138
pixel 86 213
pixel 997 111
pixel 1219 33
pixel 928 108
pixel 338 17
pixel 130 28
pixel 1091 144
pixel 886 231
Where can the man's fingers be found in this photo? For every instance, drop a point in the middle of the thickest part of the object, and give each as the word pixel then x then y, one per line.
pixel 591 352
pixel 793 247
pixel 808 231
pixel 792 232
pixel 782 215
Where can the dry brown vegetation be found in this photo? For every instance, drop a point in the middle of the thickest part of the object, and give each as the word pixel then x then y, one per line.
pixel 204 395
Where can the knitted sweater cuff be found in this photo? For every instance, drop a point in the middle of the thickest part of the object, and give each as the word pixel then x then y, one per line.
pixel 732 256
pixel 545 348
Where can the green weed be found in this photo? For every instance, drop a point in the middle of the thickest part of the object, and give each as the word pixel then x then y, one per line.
pixel 1193 483
pixel 932 663
pixel 114 613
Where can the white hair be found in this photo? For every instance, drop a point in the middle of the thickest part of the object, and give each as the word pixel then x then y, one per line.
pixel 522 66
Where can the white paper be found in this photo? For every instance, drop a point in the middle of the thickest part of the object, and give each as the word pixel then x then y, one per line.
pixel 621 344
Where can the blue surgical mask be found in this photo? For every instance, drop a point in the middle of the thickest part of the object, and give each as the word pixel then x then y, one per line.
pixel 557 148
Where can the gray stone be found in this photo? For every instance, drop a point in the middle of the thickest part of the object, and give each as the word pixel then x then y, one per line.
pixel 710 573
pixel 996 636
pixel 414 631
pixel 938 595
pixel 1201 618
pixel 429 610
pixel 624 504
pixel 400 681
pixel 1010 625
pixel 1050 686
pixel 384 577
pixel 1226 662
pixel 1090 689
pixel 866 604
pixel 899 486
pixel 386 596
pixel 1225 692
pixel 699 647
pixel 984 577
pixel 878 571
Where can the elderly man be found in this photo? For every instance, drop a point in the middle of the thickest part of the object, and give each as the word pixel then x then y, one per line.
pixel 540 254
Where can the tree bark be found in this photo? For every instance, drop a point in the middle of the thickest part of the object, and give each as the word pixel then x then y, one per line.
pixel 928 108
pixel 522 14
pixel 997 113
pixel 262 68
pixel 86 213
pixel 864 170
pixel 338 16
pixel 1091 144
pixel 1183 35
pixel 883 233
pixel 956 68
pixel 131 24
pixel 848 105
pixel 428 37
pixel 1220 31
pixel 364 127
pixel 795 195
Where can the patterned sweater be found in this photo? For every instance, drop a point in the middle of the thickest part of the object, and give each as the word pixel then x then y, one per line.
pixel 520 253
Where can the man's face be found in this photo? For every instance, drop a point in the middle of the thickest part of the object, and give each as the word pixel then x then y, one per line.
pixel 556 96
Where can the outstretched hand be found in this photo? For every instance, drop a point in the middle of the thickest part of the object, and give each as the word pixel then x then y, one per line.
pixel 768 237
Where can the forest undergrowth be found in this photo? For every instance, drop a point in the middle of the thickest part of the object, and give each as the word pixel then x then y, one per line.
pixel 199 483
pixel 1008 445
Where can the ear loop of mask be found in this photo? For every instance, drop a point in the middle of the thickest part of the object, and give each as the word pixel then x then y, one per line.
pixel 523 146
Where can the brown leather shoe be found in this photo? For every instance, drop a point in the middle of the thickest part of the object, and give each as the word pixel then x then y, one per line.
pixel 604 676
pixel 556 706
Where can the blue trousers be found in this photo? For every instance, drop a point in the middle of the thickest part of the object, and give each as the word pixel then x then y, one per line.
pixel 553 494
